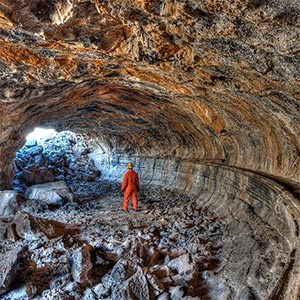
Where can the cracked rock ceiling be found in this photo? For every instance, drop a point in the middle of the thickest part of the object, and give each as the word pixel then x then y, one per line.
pixel 213 81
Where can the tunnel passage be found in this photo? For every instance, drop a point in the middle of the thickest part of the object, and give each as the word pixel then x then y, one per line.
pixel 251 218
pixel 153 123
pixel 238 224
pixel 202 95
pixel 203 230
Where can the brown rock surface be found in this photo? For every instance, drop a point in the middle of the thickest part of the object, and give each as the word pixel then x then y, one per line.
pixel 203 96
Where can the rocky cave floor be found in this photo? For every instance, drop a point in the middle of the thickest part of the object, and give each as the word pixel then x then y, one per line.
pixel 92 249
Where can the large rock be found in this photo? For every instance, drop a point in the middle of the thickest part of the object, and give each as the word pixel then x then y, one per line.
pixel 8 203
pixel 23 292
pixel 82 265
pixel 183 265
pixel 9 266
pixel 53 193
pixel 176 293
pixel 23 227
pixel 16 227
pixel 135 287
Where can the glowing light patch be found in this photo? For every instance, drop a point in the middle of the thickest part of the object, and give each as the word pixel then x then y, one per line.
pixel 39 134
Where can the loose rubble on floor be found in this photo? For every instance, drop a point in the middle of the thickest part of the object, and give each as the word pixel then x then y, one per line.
pixel 62 156
pixel 81 248
pixel 64 235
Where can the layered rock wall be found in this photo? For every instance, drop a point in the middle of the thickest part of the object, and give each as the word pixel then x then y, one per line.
pixel 208 80
pixel 261 249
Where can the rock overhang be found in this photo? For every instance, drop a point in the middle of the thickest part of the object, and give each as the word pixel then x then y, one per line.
pixel 205 81
pixel 204 95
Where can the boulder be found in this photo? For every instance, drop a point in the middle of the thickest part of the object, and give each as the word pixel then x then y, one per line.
pixel 31 143
pixel 23 292
pixel 135 287
pixel 21 226
pixel 9 266
pixel 82 265
pixel 53 193
pixel 8 203
pixel 176 292
pixel 182 265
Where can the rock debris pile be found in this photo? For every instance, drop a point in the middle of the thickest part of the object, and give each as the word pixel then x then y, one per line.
pixel 63 156
pixel 170 249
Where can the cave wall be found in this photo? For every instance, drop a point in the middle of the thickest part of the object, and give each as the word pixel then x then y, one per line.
pixel 208 80
pixel 260 218
pixel 203 94
pixel 134 121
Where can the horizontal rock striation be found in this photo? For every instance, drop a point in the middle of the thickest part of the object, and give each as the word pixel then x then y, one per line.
pixel 218 81
pixel 261 220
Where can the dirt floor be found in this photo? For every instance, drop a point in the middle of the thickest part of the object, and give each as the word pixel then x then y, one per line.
pixel 92 249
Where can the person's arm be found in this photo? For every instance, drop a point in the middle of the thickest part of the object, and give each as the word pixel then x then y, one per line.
pixel 124 183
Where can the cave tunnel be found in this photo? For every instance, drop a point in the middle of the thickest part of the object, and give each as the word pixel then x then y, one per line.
pixel 203 98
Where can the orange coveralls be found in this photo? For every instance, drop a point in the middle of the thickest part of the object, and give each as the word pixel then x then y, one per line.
pixel 130 186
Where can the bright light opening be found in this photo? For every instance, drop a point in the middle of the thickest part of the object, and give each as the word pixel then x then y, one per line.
pixel 40 134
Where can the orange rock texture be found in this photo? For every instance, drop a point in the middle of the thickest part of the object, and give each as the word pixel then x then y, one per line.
pixel 205 80
pixel 211 82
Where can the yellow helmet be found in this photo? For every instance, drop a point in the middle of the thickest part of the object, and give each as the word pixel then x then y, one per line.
pixel 130 165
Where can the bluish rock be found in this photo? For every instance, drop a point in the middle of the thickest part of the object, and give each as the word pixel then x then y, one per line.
pixel 35 150
pixel 59 177
pixel 31 143
pixel 39 159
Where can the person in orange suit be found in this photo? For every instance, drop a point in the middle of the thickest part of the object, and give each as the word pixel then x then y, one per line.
pixel 130 187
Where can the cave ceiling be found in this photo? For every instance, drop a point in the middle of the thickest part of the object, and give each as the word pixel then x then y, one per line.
pixel 212 81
